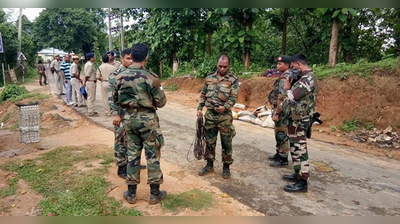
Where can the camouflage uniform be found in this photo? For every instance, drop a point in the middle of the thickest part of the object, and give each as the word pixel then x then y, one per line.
pixel 217 93
pixel 299 106
pixel 140 93
pixel 281 132
pixel 119 131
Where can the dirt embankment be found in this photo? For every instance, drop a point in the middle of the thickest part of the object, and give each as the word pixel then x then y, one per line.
pixel 371 100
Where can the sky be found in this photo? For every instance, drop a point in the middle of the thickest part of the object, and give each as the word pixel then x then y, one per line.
pixel 31 13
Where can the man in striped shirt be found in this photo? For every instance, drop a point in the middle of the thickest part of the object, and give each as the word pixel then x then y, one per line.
pixel 65 67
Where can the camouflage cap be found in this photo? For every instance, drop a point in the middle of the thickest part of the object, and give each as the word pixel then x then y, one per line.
pixel 284 59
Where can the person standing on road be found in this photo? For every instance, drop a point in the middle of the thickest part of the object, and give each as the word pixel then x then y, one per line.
pixel 90 84
pixel 65 72
pixel 219 95
pixel 41 70
pixel 276 97
pixel 140 93
pixel 104 71
pixel 76 82
pixel 299 107
pixel 55 67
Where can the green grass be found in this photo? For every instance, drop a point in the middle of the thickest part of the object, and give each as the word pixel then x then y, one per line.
pixel 6 118
pixel 351 125
pixel 31 75
pixel 67 191
pixel 172 87
pixel 361 68
pixel 34 96
pixel 369 126
pixel 193 199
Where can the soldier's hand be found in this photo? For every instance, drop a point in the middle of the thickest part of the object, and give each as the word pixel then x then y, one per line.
pixel 275 118
pixel 220 109
pixel 65 80
pixel 117 120
pixel 199 113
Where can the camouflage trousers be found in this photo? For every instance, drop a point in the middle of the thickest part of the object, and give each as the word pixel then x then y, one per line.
pixel 281 138
pixel 298 149
pixel 121 158
pixel 143 131
pixel 215 122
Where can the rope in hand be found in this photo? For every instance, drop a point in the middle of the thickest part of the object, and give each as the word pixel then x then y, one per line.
pixel 199 140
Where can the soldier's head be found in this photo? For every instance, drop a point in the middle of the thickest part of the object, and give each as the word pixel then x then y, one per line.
pixel 283 63
pixel 90 57
pixel 299 61
pixel 139 53
pixel 105 58
pixel 223 64
pixel 57 57
pixel 126 57
pixel 67 57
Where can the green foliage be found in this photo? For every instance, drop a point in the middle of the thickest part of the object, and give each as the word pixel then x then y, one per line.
pixel 351 125
pixel 193 199
pixel 66 190
pixel 369 126
pixel 6 118
pixel 12 91
pixel 333 128
pixel 171 87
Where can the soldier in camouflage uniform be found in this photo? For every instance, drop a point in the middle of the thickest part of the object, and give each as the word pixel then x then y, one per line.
pixel 276 97
pixel 219 95
pixel 298 107
pixel 119 132
pixel 140 93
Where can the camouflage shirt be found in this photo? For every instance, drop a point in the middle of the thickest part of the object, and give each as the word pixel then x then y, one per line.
pixel 115 109
pixel 219 92
pixel 138 88
pixel 303 94
pixel 278 91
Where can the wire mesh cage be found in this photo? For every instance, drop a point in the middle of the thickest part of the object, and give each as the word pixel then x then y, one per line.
pixel 29 123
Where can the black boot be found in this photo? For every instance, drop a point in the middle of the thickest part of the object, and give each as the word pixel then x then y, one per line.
pixel 208 168
pixel 280 162
pixel 299 186
pixel 155 194
pixel 290 177
pixel 274 157
pixel 122 171
pixel 130 194
pixel 226 173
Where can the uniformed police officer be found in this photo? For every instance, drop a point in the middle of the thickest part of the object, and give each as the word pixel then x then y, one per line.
pixel 219 95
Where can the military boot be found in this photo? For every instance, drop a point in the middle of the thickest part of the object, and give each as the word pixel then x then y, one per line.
pixel 155 194
pixel 226 173
pixel 274 157
pixel 122 171
pixel 299 186
pixel 208 168
pixel 280 162
pixel 290 177
pixel 130 194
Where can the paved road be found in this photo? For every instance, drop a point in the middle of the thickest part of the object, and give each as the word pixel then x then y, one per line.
pixel 362 184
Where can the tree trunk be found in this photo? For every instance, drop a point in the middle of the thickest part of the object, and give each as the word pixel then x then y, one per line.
pixel 209 44
pixel 161 69
pixel 334 42
pixel 285 18
pixel 175 64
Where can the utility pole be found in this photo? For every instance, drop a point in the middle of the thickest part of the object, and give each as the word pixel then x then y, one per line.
pixel 109 30
pixel 122 29
pixel 19 36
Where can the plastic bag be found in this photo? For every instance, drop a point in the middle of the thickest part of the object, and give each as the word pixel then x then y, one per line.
pixel 83 92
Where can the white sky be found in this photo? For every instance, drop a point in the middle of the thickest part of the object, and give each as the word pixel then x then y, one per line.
pixel 31 13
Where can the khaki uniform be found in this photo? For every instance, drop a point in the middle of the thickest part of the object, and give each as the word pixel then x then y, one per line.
pixel 116 64
pixel 58 79
pixel 76 85
pixel 103 73
pixel 90 86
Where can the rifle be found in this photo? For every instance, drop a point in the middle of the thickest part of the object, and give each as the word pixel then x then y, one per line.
pixel 314 118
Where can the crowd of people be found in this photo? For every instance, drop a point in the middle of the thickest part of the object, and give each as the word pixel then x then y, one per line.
pixel 132 94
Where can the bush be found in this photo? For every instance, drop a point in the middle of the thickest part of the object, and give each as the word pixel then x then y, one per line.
pixel 351 125
pixel 12 91
pixel 369 126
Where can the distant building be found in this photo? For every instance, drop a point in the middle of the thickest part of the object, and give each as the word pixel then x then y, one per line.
pixel 48 54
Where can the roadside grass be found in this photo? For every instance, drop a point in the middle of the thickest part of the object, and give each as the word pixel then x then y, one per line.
pixel 66 190
pixel 193 199
pixel 172 87
pixel 6 117
pixel 350 125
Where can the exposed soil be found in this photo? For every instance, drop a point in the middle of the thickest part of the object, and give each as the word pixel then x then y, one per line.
pixel 371 100
pixel 62 126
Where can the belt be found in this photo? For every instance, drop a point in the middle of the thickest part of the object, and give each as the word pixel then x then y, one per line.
pixel 140 109
pixel 91 81
pixel 104 80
